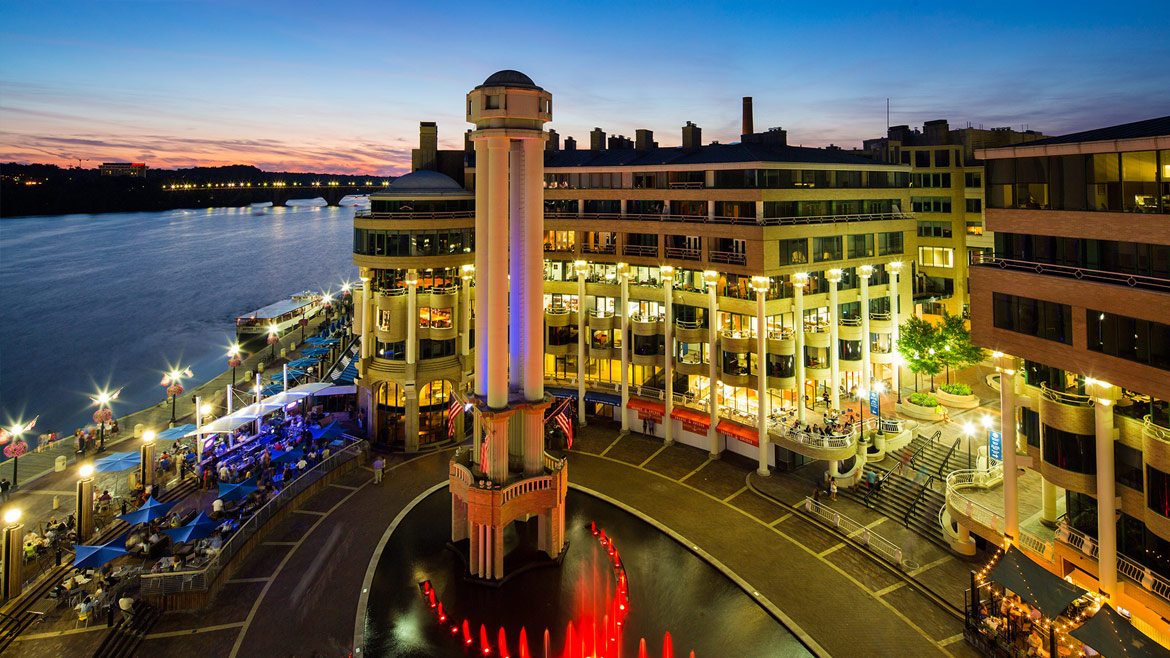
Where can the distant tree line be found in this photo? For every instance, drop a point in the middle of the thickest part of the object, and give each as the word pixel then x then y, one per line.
pixel 40 189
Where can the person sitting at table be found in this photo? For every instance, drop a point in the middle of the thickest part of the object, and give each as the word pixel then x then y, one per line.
pixel 302 464
pixel 217 507
pixel 87 604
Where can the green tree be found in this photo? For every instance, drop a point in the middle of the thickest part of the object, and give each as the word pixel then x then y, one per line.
pixel 955 348
pixel 918 342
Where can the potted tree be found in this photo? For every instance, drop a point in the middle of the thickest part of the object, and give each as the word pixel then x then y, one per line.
pixel 918 342
pixel 956 352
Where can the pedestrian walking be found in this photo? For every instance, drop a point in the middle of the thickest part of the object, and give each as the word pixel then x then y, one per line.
pixel 5 488
pixel 833 490
pixel 379 464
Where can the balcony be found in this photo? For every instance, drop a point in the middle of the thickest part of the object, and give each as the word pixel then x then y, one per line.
pixel 644 250
pixel 1136 281
pixel 833 219
pixel 455 214
pixel 599 249
pixel 652 217
pixel 814 445
pixel 684 253
pixel 686 331
pixel 728 257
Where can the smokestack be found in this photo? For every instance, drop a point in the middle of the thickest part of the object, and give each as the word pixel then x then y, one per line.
pixel 692 136
pixel 570 144
pixel 644 139
pixel 747 116
pixel 554 141
pixel 597 140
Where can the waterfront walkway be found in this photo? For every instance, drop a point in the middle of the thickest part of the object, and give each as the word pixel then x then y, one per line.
pixel 309 571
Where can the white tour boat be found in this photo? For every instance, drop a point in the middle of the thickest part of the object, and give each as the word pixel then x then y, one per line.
pixel 284 315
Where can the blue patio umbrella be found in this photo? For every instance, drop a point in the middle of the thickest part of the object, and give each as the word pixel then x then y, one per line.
pixel 118 461
pixel 290 457
pixel 315 351
pixel 330 341
pixel 303 362
pixel 201 526
pixel 315 340
pixel 330 431
pixel 271 389
pixel 92 557
pixel 175 433
pixel 292 374
pixel 229 492
pixel 150 510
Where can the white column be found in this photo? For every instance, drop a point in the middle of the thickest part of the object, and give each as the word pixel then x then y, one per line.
pixel 465 314
pixel 761 285
pixel 798 281
pixel 1106 498
pixel 667 274
pixel 229 392
pixel 713 360
pixel 1007 406
pixel 624 278
pixel 894 269
pixel 866 367
pixel 411 316
pixel 534 270
pixel 496 340
pixel 482 267
pixel 517 348
pixel 582 335
pixel 834 277
pixel 367 347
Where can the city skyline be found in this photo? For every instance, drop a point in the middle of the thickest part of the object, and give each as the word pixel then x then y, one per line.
pixel 192 84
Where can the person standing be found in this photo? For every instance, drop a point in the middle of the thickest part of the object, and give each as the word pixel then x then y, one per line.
pixel 379 464
pixel 5 488
pixel 832 490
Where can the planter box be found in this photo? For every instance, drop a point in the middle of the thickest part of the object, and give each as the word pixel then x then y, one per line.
pixel 957 401
pixel 920 412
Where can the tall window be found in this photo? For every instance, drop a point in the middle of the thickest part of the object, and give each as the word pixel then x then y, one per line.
pixel 827 248
pixel 794 251
pixel 936 257
pixel 889 243
pixel 861 245
pixel 1034 317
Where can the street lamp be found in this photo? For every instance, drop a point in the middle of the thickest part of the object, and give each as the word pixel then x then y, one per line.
pixel 16 446
pixel 147 453
pixel 13 554
pixel 104 413
pixel 234 360
pixel 85 502
pixel 173 380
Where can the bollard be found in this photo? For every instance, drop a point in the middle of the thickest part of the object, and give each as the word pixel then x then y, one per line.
pixel 60 464
pixel 139 428
pixel 56 502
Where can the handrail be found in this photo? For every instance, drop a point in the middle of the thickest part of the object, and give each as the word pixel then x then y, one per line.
pixel 816 328
pixel 855 529
pixel 1081 273
pixel 833 219
pixel 813 439
pixel 1154 430
pixel 784 334
pixel 594 313
pixel 917 499
pixel 688 324
pixel 736 334
pixel 729 257
pixel 879 316
pixel 440 290
pixel 1071 399
pixel 446 214
pixel 556 310
pixel 392 292
pixel 599 249
pixel 640 250
pixel 647 318
pixel 651 217
pixel 850 322
pixel 880 484
pixel 943 466
pixel 975 479
pixel 203 578
pixel 684 252
pixel 1127 566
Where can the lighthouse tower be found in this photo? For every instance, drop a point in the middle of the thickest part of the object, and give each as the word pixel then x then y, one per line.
pixel 506 475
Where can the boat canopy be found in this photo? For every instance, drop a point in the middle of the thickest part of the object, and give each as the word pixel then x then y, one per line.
pixel 277 309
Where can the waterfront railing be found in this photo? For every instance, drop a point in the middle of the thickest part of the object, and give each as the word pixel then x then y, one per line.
pixel 175 582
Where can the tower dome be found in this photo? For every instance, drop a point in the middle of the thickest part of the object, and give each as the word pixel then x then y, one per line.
pixel 509 78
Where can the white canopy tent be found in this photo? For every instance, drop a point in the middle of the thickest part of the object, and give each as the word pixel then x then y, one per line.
pixel 257 410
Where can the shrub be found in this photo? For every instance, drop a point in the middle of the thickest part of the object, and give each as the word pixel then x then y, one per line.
pixel 923 399
pixel 956 389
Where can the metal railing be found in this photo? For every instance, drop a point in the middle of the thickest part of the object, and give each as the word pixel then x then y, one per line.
pixel 855 530
pixel 449 214
pixel 599 249
pixel 1154 430
pixel 918 500
pixel 1071 399
pixel 879 316
pixel 729 257
pixel 688 324
pixel 833 219
pixel 850 322
pixel 640 250
pixel 1072 271
pixel 556 310
pixel 594 313
pixel 201 579
pixel 684 252
pixel 1126 566
pixel 827 440
pixel 651 217
pixel 783 334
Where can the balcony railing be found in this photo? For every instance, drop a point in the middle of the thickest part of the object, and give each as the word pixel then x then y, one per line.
pixel 651 217
pixel 850 322
pixel 640 250
pixel 729 257
pixel 879 316
pixel 832 219
pixel 1072 272
pixel 452 214
pixel 1070 399
pixel 688 324
pixel 812 439
pixel 684 253
pixel 686 185
pixel 1154 430
pixel 556 310
pixel 1126 566
pixel 599 249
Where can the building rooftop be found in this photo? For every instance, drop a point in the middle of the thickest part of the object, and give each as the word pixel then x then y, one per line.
pixel 1137 129
pixel 708 154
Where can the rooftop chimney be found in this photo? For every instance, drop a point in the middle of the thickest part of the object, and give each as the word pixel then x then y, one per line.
pixel 554 141
pixel 426 155
pixel 747 116
pixel 644 139
pixel 692 136
pixel 597 140
pixel 570 144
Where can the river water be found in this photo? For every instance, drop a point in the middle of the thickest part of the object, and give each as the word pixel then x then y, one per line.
pixel 113 299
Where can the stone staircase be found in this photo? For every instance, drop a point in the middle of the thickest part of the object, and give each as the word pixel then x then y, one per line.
pixel 125 636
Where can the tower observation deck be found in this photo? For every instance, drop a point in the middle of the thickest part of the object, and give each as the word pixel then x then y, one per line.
pixel 507 476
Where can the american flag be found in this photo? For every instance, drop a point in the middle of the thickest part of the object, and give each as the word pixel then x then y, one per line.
pixel 483 449
pixel 562 415
pixel 453 411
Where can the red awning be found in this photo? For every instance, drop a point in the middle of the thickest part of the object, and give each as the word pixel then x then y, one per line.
pixel 693 421
pixel 647 409
pixel 737 431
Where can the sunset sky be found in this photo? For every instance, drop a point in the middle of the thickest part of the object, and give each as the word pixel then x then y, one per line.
pixel 341 86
